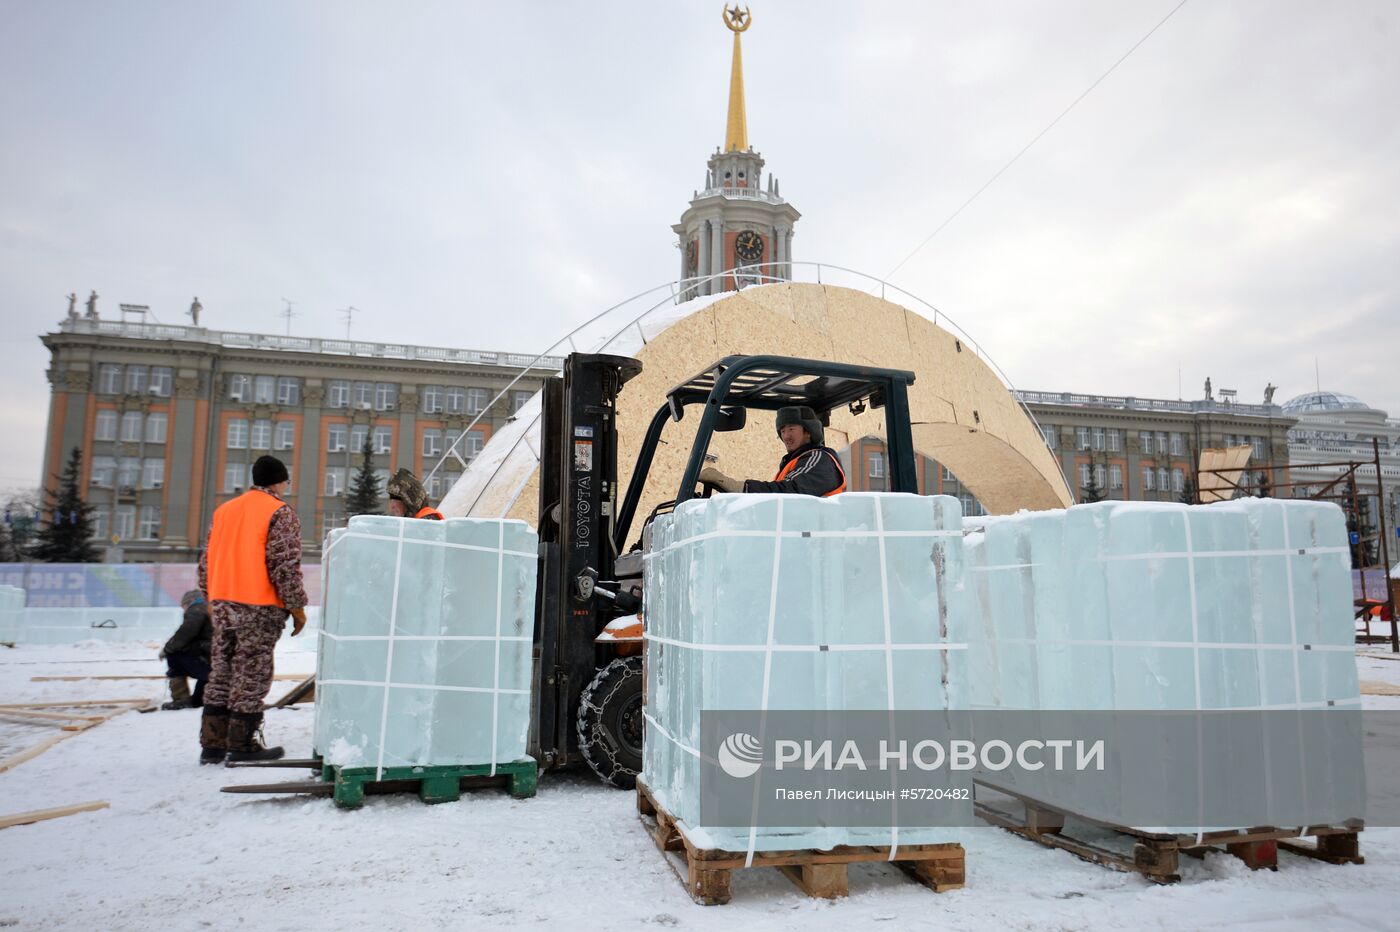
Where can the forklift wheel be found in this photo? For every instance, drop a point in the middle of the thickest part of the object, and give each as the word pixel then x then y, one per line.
pixel 610 722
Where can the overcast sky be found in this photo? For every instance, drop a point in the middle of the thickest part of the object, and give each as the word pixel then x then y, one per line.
pixel 1226 203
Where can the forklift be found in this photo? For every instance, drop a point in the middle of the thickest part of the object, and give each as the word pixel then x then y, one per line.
pixel 587 677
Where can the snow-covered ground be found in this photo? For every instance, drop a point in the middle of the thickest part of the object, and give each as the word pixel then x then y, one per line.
pixel 173 853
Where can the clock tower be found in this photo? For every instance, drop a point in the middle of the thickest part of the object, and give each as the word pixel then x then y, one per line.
pixel 739 223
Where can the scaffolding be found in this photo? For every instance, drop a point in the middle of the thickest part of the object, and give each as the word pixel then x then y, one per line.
pixel 1366 541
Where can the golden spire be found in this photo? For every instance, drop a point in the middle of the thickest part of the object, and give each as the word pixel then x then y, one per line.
pixel 736 131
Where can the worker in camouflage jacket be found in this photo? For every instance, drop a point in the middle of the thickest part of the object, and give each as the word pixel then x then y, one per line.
pixel 186 654
pixel 408 498
pixel 808 468
pixel 250 573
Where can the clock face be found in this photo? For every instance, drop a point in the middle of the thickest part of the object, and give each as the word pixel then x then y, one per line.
pixel 748 246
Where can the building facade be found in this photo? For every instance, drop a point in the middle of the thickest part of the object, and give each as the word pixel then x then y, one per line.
pixel 1131 449
pixel 170 420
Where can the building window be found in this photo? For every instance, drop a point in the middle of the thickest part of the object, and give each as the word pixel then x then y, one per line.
pixel 335 481
pixel 456 399
pixel 262 435
pixel 237 477
pixel 237 434
pixel 383 439
pixel 441 482
pixel 240 388
pixel 363 395
pixel 106 427
pixel 103 469
pixel 1083 475
pixel 286 433
pixel 1178 444
pixel 1162 478
pixel 1098 438
pixel 477 399
pixel 1178 481
pixel 383 476
pixel 150 522
pixel 1145 438
pixel 162 379
pixel 156 426
pixel 109 379
pixel 264 389
pixel 1081 438
pixel 359 433
pixel 877 465
pixel 472 444
pixel 1260 454
pixel 131 427
pixel 100 520
pixel 1162 442
pixel 948 475
pixel 519 398
pixel 125 524
pixel 339 394
pixel 1149 479
pixel 288 390
pixel 1100 475
pixel 1115 477
pixel 152 474
pixel 1051 439
pixel 1115 440
pixel 335 438
pixel 128 472
pixel 432 399
pixel 386 396
pixel 136 379
pixel 432 442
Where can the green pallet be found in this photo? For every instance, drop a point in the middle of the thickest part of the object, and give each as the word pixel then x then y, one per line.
pixel 436 784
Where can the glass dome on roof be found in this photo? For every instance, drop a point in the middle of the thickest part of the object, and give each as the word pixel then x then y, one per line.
pixel 1324 401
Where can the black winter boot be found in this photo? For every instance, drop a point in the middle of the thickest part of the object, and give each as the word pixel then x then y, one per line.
pixel 179 694
pixel 244 740
pixel 213 735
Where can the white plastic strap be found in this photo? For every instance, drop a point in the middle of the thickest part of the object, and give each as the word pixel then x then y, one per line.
pixel 889 669
pixel 432 687
pixel 857 533
pixel 1194 645
pixel 767 670
pixel 496 664
pixel 430 543
pixel 795 648
pixel 389 658
pixel 671 738
pixel 420 637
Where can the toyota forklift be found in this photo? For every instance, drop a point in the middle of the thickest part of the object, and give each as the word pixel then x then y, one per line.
pixel 587 678
pixel 588 625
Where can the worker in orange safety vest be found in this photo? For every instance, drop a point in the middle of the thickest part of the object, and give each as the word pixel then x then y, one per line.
pixel 408 498
pixel 250 573
pixel 808 468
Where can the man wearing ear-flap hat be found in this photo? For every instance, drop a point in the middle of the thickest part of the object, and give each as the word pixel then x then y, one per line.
pixel 808 468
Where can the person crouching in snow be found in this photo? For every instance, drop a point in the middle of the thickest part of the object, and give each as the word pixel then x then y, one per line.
pixel 186 654
pixel 251 575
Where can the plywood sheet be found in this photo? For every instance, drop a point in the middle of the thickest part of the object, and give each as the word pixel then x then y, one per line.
pixel 963 415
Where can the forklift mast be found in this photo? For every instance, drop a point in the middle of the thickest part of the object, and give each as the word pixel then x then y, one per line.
pixel 577 506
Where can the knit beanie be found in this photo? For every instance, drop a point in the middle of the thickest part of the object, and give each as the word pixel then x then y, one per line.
pixel 269 470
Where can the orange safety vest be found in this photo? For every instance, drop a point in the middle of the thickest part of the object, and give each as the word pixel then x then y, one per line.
pixel 429 512
pixel 782 473
pixel 238 550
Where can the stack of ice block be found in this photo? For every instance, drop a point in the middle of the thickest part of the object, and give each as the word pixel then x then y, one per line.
pixel 12 614
pixel 425 642
pixel 1242 605
pixel 713 569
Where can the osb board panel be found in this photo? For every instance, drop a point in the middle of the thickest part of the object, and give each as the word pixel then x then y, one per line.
pixel 964 417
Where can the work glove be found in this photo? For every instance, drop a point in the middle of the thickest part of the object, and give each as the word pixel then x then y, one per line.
pixel 298 620
pixel 712 476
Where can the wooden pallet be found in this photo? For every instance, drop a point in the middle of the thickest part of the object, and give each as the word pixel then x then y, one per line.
pixel 940 867
pixel 1156 855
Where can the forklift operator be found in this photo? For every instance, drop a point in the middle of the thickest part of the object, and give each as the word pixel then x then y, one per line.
pixel 809 468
